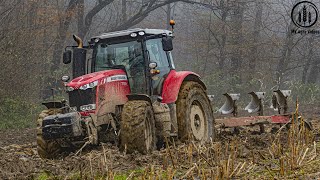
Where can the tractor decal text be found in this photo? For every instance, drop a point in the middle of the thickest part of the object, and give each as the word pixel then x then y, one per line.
pixel 115 78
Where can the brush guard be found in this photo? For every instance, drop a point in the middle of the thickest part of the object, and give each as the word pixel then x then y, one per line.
pixel 61 126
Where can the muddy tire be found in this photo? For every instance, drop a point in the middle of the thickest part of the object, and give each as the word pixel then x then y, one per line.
pixel 194 113
pixel 137 127
pixel 48 149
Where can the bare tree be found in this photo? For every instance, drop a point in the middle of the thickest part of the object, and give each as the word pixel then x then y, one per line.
pixel 309 60
pixel 254 54
pixel 237 38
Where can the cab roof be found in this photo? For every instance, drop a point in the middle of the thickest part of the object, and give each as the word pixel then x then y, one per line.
pixel 129 31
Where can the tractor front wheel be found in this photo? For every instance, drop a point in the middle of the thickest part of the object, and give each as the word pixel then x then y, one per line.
pixel 137 127
pixel 48 149
pixel 194 113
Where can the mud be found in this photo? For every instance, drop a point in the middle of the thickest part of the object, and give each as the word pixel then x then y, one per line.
pixel 19 158
pixel 23 162
pixel 17 136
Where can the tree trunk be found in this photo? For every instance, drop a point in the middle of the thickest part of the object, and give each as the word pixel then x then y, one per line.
pixel 237 37
pixel 124 10
pixel 309 60
pixel 208 47
pixel 286 54
pixel 80 16
pixel 256 37
pixel 62 33
pixel 224 15
pixel 314 71
pixel 168 15
pixel 59 46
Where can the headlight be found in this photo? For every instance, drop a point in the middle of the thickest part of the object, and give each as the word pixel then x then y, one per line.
pixel 90 85
pixel 88 107
pixel 93 84
pixel 84 87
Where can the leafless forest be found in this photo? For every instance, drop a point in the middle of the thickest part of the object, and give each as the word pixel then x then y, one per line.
pixel 236 46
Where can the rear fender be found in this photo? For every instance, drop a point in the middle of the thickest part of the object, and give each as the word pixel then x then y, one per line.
pixel 172 84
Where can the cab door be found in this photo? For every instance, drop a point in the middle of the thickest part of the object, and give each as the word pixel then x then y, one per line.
pixel 159 56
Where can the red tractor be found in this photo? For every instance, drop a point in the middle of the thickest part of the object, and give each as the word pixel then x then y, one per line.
pixel 128 93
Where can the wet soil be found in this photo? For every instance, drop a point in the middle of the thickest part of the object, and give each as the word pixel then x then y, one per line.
pixel 17 136
pixel 19 159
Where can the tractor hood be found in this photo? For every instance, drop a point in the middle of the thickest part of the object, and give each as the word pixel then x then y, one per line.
pixel 96 78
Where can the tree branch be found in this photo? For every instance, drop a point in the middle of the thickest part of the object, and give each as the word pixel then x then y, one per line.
pixel 92 13
pixel 138 17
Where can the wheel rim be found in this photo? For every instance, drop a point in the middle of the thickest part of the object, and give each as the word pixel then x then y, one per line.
pixel 197 120
pixel 147 133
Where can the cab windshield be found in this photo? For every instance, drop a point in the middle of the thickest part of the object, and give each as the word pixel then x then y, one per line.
pixel 128 54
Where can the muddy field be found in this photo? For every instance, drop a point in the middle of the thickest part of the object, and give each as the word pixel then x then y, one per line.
pixel 249 155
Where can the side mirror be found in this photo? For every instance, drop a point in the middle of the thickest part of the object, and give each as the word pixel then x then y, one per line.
pixel 67 56
pixel 167 43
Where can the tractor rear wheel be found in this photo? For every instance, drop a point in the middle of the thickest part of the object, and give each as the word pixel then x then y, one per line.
pixel 194 113
pixel 48 149
pixel 137 127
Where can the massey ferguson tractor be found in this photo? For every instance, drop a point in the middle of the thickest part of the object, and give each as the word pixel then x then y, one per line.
pixel 128 93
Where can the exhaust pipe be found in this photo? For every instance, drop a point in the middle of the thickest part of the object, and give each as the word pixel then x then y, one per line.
pixel 79 58
pixel 78 40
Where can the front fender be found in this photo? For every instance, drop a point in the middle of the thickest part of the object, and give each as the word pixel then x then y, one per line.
pixel 172 84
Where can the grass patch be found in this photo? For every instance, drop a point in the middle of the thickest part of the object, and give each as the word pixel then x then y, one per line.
pixel 17 114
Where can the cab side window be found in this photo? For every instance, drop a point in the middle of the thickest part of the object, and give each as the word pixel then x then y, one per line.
pixel 156 54
pixel 159 56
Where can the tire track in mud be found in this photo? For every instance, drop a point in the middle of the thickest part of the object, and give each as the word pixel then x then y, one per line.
pixel 19 158
pixel 21 161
